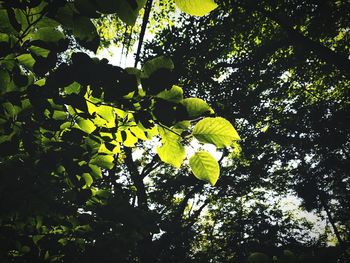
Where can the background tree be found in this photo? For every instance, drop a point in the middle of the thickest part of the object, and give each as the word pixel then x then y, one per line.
pixel 279 71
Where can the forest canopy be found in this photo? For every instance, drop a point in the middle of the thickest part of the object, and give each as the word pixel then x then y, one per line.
pixel 227 140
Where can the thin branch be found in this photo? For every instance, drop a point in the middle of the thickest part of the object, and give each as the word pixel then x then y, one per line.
pixel 150 166
pixel 167 128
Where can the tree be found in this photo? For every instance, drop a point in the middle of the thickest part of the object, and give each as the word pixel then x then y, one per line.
pixel 69 123
pixel 279 71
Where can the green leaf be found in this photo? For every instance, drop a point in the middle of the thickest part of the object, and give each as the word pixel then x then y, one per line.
pixel 72 88
pixel 4 37
pixel 217 131
pixel 88 179
pixel 95 171
pixel 103 161
pixel 205 167
pixel 47 34
pixel 157 63
pixel 84 29
pixel 197 107
pixel 39 51
pixel 86 8
pixel 86 125
pixel 26 60
pixel 182 125
pixel 125 10
pixel 5 25
pixel 59 115
pixel 196 7
pixel 85 32
pixel 175 94
pixel 172 152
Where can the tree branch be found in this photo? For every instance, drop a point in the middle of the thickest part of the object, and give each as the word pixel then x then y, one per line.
pixel 143 30
pixel 298 39
pixel 137 180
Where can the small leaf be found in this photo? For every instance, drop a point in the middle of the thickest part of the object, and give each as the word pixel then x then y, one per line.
pixel 217 131
pixel 196 7
pixel 95 171
pixel 196 107
pixel 175 94
pixel 88 179
pixel 205 167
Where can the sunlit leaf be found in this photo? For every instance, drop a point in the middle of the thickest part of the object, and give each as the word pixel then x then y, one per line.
pixel 197 107
pixel 172 152
pixel 103 161
pixel 196 7
pixel 205 167
pixel 26 60
pixel 86 125
pixel 88 179
pixel 175 94
pixel 95 171
pixel 217 131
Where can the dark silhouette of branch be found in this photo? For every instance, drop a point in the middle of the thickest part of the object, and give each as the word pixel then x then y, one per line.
pixel 298 39
pixel 143 30
pixel 137 179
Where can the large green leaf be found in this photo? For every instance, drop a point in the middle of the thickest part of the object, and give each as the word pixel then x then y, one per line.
pixel 84 29
pixel 205 167
pixel 155 64
pixel 86 125
pixel 26 60
pixel 217 131
pixel 103 161
pixel 196 7
pixel 47 34
pixel 5 25
pixel 126 10
pixel 175 94
pixel 197 107
pixel 85 32
pixel 171 151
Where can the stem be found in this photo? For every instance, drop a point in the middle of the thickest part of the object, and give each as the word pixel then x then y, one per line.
pixel 167 128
